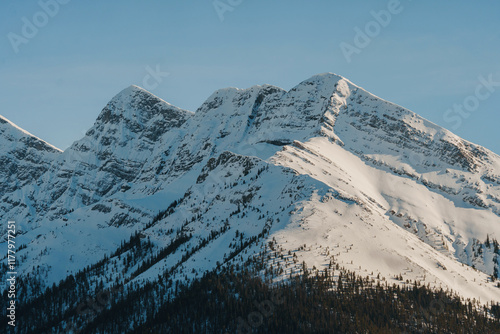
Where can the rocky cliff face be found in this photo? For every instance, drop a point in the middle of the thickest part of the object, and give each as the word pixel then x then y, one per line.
pixel 323 168
pixel 24 157
pixel 104 162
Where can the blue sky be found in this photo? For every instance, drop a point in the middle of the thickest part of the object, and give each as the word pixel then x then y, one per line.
pixel 428 56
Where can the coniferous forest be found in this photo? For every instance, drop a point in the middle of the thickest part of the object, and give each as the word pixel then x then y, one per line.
pixel 246 300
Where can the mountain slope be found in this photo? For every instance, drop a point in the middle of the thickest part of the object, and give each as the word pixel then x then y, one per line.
pixel 23 160
pixel 323 169
pixel 24 157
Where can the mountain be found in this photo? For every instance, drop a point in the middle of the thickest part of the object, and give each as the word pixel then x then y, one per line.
pixel 24 157
pixel 323 170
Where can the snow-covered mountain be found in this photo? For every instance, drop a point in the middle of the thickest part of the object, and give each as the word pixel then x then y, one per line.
pixel 323 169
pixel 24 157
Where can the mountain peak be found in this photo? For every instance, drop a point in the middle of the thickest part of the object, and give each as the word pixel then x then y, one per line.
pixel 137 109
pixel 324 79
pixel 131 92
pixel 327 76
pixel 134 102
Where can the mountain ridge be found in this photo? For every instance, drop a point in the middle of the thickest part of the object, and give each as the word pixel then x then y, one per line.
pixel 326 163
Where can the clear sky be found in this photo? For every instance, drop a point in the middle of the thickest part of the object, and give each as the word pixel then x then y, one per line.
pixel 60 65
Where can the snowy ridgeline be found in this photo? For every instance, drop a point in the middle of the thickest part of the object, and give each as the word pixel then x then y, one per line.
pixel 325 169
